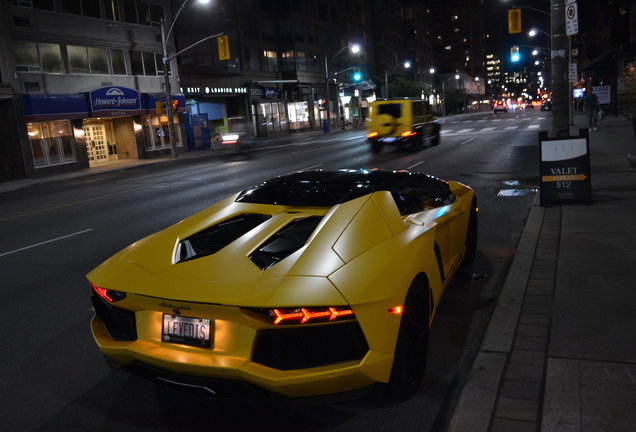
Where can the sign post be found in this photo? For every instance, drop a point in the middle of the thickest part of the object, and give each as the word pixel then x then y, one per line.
pixel 565 169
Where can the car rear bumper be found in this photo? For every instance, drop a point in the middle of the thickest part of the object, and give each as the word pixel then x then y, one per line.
pixel 219 388
pixel 204 364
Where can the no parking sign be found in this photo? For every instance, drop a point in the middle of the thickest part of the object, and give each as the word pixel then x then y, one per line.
pixel 571 18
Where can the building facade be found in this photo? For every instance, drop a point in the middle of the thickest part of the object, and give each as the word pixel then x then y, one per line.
pixel 82 83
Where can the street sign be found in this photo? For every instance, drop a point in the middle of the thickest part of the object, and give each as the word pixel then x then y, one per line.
pixel 571 19
pixel 565 169
pixel 573 73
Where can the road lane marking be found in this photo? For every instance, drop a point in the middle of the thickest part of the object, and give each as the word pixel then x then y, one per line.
pixel 45 242
pixel 81 202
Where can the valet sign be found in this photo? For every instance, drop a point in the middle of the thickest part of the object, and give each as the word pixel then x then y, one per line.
pixel 565 169
pixel 115 101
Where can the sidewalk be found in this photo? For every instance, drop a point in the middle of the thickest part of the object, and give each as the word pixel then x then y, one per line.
pixel 559 354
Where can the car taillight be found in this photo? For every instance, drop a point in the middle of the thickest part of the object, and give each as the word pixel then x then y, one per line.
pixel 301 315
pixel 372 134
pixel 408 134
pixel 110 296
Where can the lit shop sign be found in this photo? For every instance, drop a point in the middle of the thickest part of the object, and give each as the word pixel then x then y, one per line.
pixel 115 101
pixel 214 90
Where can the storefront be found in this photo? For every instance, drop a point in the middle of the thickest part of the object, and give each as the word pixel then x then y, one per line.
pixel 212 111
pixel 96 127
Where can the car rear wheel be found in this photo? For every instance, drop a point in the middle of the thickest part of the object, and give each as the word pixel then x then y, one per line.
pixel 409 363
pixel 472 234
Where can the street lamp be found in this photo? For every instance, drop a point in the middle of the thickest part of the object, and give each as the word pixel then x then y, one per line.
pixel 165 36
pixel 533 33
pixel 355 48
pixel 406 64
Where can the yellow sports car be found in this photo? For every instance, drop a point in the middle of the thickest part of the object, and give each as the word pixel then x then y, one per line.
pixel 314 285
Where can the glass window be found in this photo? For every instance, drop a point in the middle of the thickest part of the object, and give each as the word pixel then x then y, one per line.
pixel 301 61
pixel 111 8
pixel 136 63
pixel 156 13
pixel 78 59
pixel 271 61
pixel 26 56
pixel 71 6
pixel 51 58
pixel 48 5
pixel 155 130
pixel 98 60
pixel 130 12
pixel 52 143
pixel 159 63
pixel 287 60
pixel 143 14
pixel 149 63
pixel 252 59
pixel 118 61
pixel 269 31
pixel 90 8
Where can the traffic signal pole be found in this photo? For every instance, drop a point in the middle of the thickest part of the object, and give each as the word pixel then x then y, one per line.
pixel 559 68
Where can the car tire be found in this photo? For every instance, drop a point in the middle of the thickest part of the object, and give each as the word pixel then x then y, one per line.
pixel 418 142
pixel 435 139
pixel 376 147
pixel 472 234
pixel 409 362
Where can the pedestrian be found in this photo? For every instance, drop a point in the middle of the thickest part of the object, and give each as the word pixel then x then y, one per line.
pixel 592 107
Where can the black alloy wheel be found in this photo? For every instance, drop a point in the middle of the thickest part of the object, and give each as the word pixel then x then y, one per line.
pixel 409 363
pixel 472 234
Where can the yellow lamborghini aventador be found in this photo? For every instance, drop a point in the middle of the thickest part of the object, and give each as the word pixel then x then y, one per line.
pixel 313 285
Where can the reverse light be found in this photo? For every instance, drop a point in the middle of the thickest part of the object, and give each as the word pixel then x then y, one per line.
pixel 372 134
pixel 110 296
pixel 302 315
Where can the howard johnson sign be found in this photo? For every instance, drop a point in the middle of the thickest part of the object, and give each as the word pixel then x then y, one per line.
pixel 115 101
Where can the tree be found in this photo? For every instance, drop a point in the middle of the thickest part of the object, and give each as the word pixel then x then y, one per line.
pixel 403 87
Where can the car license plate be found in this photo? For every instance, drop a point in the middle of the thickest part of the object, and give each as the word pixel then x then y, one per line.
pixel 187 330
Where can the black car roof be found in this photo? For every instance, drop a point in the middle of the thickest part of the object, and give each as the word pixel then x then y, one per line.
pixel 325 188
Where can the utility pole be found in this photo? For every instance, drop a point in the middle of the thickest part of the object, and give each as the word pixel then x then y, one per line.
pixel 559 68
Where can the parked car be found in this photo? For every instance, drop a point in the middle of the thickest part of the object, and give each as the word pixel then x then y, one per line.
pixel 546 106
pixel 317 284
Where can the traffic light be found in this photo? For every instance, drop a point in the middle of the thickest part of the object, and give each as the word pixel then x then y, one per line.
pixel 514 54
pixel 357 75
pixel 223 43
pixel 159 106
pixel 175 106
pixel 514 21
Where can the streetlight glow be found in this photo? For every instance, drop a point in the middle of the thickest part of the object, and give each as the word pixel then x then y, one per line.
pixel 166 31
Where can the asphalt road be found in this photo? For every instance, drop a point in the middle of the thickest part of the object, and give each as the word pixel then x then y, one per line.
pixel 52 376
